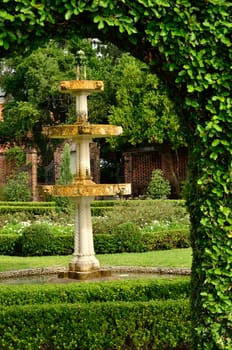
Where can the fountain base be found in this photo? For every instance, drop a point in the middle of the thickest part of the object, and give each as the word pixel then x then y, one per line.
pixel 87 275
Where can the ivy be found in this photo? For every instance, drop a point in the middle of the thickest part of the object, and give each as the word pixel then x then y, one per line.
pixel 188 43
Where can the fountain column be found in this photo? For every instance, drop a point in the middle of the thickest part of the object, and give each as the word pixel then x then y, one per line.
pixel 84 259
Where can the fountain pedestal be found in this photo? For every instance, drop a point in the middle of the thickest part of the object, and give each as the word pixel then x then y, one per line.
pixel 83 190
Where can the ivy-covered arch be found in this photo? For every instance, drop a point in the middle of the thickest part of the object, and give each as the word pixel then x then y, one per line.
pixel 188 43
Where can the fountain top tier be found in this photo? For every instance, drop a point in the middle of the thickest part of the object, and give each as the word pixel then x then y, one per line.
pixel 81 86
pixel 82 128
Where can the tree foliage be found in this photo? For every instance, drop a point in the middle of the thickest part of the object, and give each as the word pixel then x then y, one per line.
pixel 32 96
pixel 188 43
pixel 64 203
pixel 143 108
pixel 133 97
pixel 16 188
pixel 159 187
pixel 66 176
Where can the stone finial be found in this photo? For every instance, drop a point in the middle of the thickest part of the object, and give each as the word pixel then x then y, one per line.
pixel 81 65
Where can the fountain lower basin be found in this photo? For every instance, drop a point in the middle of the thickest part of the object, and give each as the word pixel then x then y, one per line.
pixel 109 273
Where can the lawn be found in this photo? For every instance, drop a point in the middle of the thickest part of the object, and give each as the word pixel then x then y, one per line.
pixel 166 258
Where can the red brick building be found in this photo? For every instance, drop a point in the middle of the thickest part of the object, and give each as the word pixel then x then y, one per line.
pixel 138 165
pixel 140 162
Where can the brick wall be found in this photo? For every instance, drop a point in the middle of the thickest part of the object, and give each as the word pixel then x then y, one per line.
pixel 1 111
pixel 2 168
pixel 94 160
pixel 7 169
pixel 139 164
pixel 31 160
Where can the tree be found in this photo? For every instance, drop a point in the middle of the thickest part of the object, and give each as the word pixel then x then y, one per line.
pixel 159 187
pixel 66 176
pixel 188 44
pixel 33 100
pixel 142 106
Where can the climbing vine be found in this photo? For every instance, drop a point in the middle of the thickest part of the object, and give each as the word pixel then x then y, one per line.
pixel 188 44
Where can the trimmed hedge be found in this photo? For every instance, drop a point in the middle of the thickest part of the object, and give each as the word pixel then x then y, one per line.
pixel 33 210
pixel 152 325
pixel 105 203
pixel 27 204
pixel 100 211
pixel 128 290
pixel 36 208
pixel 133 314
pixel 117 315
pixel 103 243
pixel 98 208
pixel 13 245
pixel 166 239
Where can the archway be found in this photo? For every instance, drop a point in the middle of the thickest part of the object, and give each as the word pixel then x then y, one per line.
pixel 188 44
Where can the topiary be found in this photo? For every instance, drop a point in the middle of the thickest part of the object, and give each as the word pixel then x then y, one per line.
pixel 159 187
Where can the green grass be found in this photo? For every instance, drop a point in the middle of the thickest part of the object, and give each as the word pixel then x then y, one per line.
pixel 166 258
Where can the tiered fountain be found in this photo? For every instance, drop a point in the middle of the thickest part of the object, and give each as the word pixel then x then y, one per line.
pixel 83 190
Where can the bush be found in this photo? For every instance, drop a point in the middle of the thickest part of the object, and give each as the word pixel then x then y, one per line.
pixel 17 188
pixel 169 239
pixel 2 197
pixel 128 237
pixel 8 244
pixel 36 240
pixel 65 178
pixel 105 244
pixel 159 187
pixel 142 213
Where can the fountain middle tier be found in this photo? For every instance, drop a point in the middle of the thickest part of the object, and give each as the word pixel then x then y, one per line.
pixel 87 188
pixel 80 130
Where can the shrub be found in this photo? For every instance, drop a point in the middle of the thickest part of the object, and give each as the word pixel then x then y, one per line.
pixel 159 187
pixel 17 188
pixel 142 213
pixel 8 244
pixel 65 178
pixel 36 240
pixel 169 239
pixel 105 244
pixel 16 156
pixel 128 237
pixel 2 197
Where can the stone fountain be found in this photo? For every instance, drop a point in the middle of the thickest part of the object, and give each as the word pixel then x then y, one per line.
pixel 83 189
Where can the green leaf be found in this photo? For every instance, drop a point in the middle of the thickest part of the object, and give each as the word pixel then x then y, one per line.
pixel 190 88
pixel 68 14
pixel 6 16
